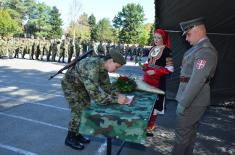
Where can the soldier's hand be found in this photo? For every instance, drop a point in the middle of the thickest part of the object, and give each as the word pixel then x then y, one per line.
pixel 122 99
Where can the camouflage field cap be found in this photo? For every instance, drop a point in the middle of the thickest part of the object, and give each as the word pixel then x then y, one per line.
pixel 117 56
pixel 188 25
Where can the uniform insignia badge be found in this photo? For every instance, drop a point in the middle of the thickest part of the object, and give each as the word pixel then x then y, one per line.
pixel 200 64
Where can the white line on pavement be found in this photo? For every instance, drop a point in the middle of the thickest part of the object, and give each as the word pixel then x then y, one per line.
pixel 24 101
pixel 51 106
pixel 17 150
pixel 34 121
pixel 101 149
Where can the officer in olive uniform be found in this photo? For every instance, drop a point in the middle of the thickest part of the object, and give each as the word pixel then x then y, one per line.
pixel 193 96
pixel 87 80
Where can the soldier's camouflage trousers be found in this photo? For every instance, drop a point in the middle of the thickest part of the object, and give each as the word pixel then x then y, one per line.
pixel 78 98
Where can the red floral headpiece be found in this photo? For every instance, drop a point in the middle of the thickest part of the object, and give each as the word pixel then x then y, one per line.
pixel 165 36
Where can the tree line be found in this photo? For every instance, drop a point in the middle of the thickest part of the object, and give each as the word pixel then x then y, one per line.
pixel 27 18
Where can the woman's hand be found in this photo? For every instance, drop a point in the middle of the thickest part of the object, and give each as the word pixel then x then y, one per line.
pixel 150 72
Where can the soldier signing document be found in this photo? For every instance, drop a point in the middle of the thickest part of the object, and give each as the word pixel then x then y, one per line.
pixel 89 80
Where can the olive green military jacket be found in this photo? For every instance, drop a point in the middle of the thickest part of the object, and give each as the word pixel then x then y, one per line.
pixel 199 64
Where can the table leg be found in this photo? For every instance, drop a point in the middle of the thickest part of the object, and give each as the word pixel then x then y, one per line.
pixel 121 147
pixel 109 145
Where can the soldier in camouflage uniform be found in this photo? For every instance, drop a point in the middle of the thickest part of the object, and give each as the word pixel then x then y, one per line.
pixel 77 48
pixel 32 49
pixel 87 80
pixel 17 48
pixel 54 49
pixel 11 47
pixel 25 48
pixel 70 50
pixel 47 49
pixel 2 48
pixel 101 49
pixel 193 96
pixel 38 49
pixel 63 49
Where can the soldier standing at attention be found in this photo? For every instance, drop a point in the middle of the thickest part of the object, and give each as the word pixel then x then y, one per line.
pixel 25 47
pixel 193 96
pixel 54 49
pixel 70 50
pixel 77 48
pixel 62 51
pixel 87 80
pixel 33 49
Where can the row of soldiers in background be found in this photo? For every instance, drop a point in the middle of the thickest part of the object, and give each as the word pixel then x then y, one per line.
pixel 133 52
pixel 57 50
pixel 39 48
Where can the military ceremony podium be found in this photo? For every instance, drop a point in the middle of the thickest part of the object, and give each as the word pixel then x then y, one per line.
pixel 125 122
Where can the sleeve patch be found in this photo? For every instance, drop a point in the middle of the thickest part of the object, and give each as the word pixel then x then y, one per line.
pixel 200 64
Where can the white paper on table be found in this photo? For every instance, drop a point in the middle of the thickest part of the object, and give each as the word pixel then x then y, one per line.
pixel 130 99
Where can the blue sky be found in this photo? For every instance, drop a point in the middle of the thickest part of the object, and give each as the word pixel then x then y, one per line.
pixel 100 8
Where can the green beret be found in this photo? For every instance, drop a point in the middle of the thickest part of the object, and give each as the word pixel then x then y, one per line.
pixel 188 25
pixel 117 56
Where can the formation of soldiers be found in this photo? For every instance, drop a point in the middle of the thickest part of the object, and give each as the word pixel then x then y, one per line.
pixel 57 50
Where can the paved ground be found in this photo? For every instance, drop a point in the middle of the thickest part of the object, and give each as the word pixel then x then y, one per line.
pixel 34 117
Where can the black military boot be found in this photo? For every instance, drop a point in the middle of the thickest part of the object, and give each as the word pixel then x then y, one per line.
pixel 72 141
pixel 83 139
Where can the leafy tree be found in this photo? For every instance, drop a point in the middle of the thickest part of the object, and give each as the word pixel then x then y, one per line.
pixel 104 30
pixel 75 8
pixel 115 36
pixel 130 23
pixel 93 26
pixel 16 9
pixel 38 21
pixel 81 27
pixel 146 34
pixel 55 22
pixel 150 40
pixel 8 26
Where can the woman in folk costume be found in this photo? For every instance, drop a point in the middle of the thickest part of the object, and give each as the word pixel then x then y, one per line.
pixel 159 64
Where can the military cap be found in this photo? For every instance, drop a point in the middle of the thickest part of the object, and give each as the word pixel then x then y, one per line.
pixel 117 56
pixel 188 25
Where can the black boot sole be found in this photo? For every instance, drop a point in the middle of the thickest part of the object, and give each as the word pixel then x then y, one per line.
pixel 81 147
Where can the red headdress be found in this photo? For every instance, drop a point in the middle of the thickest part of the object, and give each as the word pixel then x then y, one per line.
pixel 165 36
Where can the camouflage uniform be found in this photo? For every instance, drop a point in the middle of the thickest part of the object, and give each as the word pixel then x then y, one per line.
pixel 25 48
pixel 70 50
pixel 38 49
pixel 33 49
pixel 101 49
pixel 2 49
pixel 62 51
pixel 87 80
pixel 47 49
pixel 54 49
pixel 77 48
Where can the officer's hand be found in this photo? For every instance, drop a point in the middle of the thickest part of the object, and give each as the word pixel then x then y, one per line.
pixel 150 72
pixel 122 99
pixel 180 109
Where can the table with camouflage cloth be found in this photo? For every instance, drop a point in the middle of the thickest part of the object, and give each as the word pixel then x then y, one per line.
pixel 124 122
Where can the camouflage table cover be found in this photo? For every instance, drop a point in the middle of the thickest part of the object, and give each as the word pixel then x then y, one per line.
pixel 124 122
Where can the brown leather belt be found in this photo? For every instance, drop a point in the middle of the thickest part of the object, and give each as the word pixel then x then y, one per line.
pixel 184 79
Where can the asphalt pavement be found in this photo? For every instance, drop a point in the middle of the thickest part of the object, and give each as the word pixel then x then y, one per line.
pixel 34 117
